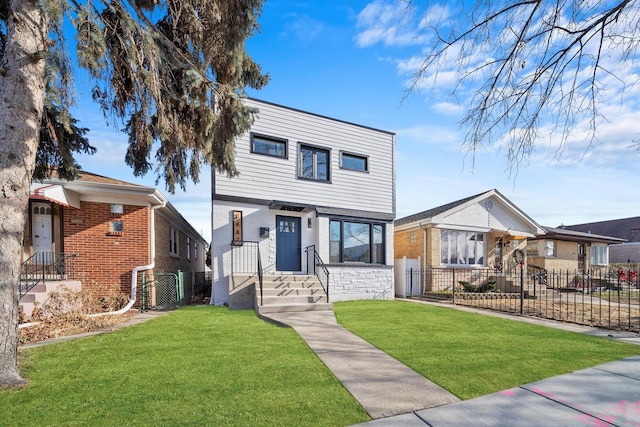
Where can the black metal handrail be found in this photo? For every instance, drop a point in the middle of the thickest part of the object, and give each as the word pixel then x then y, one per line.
pixel 245 258
pixel 45 265
pixel 317 262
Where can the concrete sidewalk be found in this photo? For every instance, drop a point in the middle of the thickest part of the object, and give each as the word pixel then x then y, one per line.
pixel 381 384
pixel 604 395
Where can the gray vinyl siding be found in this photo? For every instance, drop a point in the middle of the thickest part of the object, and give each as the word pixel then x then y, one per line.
pixel 272 178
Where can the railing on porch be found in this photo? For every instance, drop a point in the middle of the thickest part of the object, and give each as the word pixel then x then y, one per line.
pixel 316 267
pixel 246 259
pixel 45 265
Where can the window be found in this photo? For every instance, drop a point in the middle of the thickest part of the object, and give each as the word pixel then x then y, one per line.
pixel 314 163
pixel 188 247
pixel 354 162
pixel 413 238
pixel 269 146
pixel 462 247
pixel 195 250
pixel 173 241
pixel 599 254
pixel 356 242
pixel 549 248
pixel 117 209
pixel 116 227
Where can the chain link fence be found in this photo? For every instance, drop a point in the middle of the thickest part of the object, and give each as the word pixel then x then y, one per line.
pixel 161 290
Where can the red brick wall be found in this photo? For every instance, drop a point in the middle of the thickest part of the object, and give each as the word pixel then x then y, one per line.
pixel 105 261
pixel 171 262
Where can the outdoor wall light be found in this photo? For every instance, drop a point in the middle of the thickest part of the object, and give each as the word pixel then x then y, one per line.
pixel 308 222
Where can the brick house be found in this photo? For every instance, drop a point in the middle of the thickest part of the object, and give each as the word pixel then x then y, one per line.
pixel 481 231
pixel 314 195
pixel 101 234
pixel 562 249
pixel 627 229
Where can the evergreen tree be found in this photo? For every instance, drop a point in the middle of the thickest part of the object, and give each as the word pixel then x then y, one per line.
pixel 174 72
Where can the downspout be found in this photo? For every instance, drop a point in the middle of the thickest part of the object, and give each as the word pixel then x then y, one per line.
pixel 136 270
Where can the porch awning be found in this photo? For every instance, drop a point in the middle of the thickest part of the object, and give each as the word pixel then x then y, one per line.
pixel 518 234
pixel 54 193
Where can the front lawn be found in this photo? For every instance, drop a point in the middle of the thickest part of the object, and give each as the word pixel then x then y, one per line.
pixel 206 365
pixel 472 354
pixel 199 365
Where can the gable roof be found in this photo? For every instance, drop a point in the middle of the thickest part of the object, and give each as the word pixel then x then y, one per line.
pixel 438 214
pixel 430 213
pixel 625 228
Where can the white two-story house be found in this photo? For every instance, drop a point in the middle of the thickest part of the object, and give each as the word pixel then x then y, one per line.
pixel 314 194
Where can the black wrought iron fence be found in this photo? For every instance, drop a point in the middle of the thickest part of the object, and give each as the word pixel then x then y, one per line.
pixel 602 298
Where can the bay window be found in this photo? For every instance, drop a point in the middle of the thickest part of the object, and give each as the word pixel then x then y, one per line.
pixel 462 248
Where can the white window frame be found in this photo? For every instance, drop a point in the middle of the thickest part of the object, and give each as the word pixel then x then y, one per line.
pixel 599 254
pixel 550 249
pixel 454 244
pixel 188 248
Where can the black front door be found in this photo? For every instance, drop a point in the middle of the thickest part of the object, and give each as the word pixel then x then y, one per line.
pixel 288 243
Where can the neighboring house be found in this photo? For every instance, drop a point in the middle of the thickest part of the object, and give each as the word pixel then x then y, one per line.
pixel 100 234
pixel 308 185
pixel 627 229
pixel 478 232
pixel 562 249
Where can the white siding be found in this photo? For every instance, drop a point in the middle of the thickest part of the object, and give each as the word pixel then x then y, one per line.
pixel 498 218
pixel 270 178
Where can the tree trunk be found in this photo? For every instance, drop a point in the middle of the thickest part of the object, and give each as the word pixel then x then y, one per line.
pixel 22 91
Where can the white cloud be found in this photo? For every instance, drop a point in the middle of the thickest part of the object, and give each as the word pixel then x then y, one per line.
pixel 303 28
pixel 390 24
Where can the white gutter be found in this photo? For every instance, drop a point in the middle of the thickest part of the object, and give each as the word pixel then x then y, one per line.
pixel 136 270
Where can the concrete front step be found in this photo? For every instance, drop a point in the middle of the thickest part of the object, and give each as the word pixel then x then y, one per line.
pixel 292 299
pixel 291 293
pixel 40 293
pixel 289 308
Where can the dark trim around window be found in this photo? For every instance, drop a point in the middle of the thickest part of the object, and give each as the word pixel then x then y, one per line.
pixel 259 144
pixel 314 163
pixel 355 158
pixel 370 235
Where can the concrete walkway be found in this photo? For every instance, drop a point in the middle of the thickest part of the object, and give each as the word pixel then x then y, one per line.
pixel 395 395
pixel 381 384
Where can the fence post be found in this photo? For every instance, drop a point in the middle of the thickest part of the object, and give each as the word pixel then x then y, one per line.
pixel 179 286
pixel 521 289
pixel 411 282
pixel 453 288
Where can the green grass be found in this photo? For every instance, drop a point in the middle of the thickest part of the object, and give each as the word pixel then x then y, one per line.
pixel 206 365
pixel 472 354
pixel 199 365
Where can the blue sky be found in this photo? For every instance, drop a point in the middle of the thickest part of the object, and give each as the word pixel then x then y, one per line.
pixel 353 60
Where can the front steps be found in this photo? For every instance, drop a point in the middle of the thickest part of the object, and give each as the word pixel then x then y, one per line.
pixel 40 293
pixel 289 293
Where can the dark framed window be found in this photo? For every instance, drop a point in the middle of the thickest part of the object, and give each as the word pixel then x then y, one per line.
pixel 269 146
pixel 354 162
pixel 173 241
pixel 314 163
pixel 353 241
